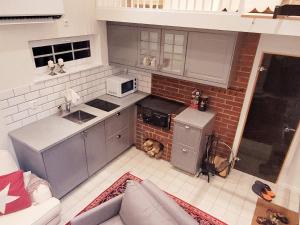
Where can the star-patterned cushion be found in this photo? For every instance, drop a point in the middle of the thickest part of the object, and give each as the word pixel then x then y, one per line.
pixel 13 196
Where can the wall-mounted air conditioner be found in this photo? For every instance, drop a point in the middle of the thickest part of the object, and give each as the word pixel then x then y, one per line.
pixel 30 11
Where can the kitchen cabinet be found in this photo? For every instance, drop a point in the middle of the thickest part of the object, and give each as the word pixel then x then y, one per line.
pixel 123 44
pixel 173 50
pixel 191 129
pixel 70 162
pixel 94 139
pixel 209 57
pixel 149 48
pixel 118 132
pixel 65 165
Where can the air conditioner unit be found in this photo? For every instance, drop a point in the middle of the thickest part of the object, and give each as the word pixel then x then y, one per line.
pixel 30 11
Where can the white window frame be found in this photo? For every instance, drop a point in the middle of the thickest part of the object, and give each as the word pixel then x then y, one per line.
pixel 73 63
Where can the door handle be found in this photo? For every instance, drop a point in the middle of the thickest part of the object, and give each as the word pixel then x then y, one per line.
pixel 186 127
pixel 84 133
pixel 262 69
pixel 119 136
pixel 184 150
pixel 118 114
pixel 288 130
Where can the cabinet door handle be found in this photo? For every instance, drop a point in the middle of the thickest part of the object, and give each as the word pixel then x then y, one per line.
pixel 184 150
pixel 186 127
pixel 118 114
pixel 119 136
pixel 84 133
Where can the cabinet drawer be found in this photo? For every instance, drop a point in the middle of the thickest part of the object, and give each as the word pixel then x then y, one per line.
pixel 117 144
pixel 117 122
pixel 184 158
pixel 187 135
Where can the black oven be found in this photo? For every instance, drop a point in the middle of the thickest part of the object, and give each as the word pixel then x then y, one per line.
pixel 156 118
pixel 158 111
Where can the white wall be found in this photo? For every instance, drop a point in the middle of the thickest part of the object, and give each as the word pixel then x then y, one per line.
pixel 17 67
pixel 16 63
pixel 282 45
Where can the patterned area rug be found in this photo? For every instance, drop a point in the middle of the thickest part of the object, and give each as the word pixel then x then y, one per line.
pixel 119 187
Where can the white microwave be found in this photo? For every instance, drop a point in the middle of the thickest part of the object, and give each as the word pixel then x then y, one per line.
pixel 121 85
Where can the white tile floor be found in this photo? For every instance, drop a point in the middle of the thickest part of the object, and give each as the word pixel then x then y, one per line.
pixel 230 200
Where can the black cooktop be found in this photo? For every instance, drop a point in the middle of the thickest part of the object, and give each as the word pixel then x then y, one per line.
pixel 103 105
pixel 161 105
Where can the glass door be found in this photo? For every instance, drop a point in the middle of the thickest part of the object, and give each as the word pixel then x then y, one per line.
pixel 173 48
pixel 149 48
pixel 273 117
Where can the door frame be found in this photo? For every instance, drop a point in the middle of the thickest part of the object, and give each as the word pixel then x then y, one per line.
pixel 247 104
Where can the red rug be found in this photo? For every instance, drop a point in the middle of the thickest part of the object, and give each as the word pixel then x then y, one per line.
pixel 119 187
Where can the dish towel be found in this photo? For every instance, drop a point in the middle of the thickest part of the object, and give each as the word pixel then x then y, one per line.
pixel 72 96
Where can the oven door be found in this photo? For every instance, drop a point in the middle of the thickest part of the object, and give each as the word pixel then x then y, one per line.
pixel 127 87
pixel 156 118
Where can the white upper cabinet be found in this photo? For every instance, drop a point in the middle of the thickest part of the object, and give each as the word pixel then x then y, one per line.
pixel 173 49
pixel 209 57
pixel 123 44
pixel 149 48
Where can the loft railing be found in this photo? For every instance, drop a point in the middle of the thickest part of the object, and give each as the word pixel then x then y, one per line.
pixel 240 6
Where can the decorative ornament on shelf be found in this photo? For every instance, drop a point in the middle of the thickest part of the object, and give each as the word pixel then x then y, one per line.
pixel 195 99
pixel 61 65
pixel 51 66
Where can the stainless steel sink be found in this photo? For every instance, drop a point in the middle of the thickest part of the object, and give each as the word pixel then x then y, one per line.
pixel 79 117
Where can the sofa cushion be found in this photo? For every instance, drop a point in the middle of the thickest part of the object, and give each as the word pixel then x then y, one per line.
pixel 13 196
pixel 40 214
pixel 140 208
pixel 116 220
pixel 181 216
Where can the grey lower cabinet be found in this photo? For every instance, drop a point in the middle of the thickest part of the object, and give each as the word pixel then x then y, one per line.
pixel 189 139
pixel 118 132
pixel 94 139
pixel 69 163
pixel 66 165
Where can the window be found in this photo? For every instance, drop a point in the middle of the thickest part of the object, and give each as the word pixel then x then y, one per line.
pixel 67 51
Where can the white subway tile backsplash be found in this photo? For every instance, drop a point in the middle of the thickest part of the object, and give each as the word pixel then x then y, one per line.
pixel 3 104
pixel 54 96
pixel 39 86
pixel 16 100
pixel 59 87
pixel 74 76
pixel 10 111
pixel 63 79
pixel 46 91
pixel 23 105
pixel 42 100
pixel 50 83
pixel 48 105
pixel 32 95
pixel 8 120
pixel 20 115
pixel 21 90
pixel 29 120
pixel 6 94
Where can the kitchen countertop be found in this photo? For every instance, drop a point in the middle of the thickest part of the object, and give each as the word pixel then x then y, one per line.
pixel 195 118
pixel 43 134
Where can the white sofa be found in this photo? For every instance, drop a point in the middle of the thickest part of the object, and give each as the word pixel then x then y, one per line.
pixel 47 212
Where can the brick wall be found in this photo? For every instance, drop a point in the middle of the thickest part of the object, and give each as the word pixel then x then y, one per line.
pixel 145 131
pixel 227 103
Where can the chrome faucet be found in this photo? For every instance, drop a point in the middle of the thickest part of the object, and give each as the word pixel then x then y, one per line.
pixel 68 105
